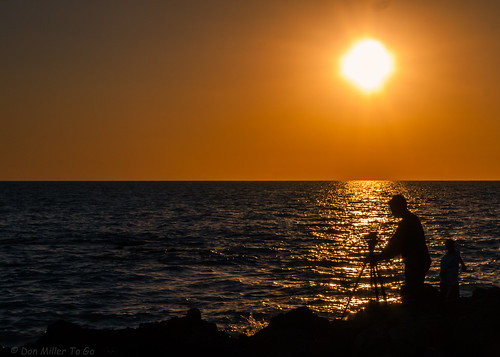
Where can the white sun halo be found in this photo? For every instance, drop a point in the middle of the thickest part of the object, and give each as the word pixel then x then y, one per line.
pixel 367 64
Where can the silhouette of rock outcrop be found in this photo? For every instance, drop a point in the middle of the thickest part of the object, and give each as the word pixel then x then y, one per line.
pixel 466 327
pixel 300 332
pixel 189 335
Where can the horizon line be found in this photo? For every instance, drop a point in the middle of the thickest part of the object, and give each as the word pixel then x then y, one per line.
pixel 287 180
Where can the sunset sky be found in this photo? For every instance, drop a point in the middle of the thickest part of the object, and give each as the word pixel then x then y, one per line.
pixel 246 90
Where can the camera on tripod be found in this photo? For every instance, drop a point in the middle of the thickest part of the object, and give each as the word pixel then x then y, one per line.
pixel 372 243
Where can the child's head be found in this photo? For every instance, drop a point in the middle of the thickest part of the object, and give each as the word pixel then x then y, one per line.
pixel 450 245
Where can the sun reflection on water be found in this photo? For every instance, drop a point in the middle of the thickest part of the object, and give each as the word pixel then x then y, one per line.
pixel 346 212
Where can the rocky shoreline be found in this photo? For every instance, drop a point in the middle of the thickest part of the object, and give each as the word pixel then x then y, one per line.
pixel 467 327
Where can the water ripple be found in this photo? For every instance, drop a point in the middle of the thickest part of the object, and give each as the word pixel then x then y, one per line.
pixel 119 254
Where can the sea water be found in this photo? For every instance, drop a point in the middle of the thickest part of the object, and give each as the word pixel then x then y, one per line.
pixel 116 254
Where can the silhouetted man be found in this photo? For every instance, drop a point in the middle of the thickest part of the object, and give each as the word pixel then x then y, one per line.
pixel 409 242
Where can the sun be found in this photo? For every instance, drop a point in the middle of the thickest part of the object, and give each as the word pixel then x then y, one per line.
pixel 367 64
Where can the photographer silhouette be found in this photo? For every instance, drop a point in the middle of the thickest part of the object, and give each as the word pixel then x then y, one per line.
pixel 409 242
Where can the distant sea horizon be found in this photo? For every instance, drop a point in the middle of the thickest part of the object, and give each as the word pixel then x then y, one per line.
pixel 263 180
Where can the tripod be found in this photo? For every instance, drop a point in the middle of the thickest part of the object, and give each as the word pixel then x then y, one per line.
pixel 375 277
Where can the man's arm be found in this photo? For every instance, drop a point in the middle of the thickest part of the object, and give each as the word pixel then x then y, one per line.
pixel 391 250
pixel 464 268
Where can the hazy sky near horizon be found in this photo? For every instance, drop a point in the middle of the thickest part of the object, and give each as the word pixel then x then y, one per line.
pixel 246 90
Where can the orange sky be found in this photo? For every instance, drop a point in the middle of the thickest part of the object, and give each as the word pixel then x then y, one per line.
pixel 246 90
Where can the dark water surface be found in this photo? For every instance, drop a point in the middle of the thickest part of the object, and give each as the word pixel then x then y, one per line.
pixel 115 254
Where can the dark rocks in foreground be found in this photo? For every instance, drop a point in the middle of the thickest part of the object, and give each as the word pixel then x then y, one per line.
pixel 188 335
pixel 468 327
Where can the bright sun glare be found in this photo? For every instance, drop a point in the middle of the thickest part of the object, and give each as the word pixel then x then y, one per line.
pixel 367 64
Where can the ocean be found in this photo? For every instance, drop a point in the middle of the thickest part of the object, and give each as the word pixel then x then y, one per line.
pixel 117 254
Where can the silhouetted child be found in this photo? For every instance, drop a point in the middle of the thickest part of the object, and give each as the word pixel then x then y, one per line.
pixel 449 271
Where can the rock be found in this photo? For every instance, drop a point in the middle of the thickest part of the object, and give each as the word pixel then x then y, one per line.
pixel 189 335
pixel 298 332
pixel 467 327
pixel 487 293
pixel 194 314
pixel 302 320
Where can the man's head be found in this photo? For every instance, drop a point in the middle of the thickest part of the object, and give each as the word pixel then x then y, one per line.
pixel 398 205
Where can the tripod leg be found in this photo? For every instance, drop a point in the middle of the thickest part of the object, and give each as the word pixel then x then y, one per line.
pixel 382 290
pixel 373 280
pixel 353 290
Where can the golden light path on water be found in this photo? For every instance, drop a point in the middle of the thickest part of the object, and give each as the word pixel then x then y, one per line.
pixel 350 211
